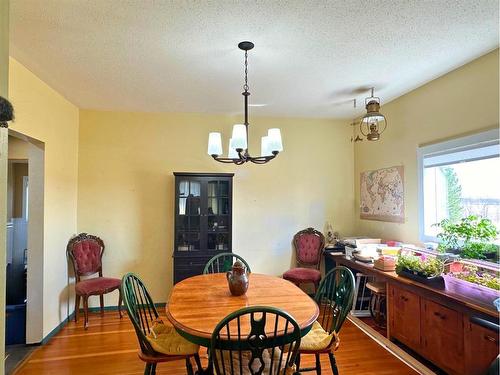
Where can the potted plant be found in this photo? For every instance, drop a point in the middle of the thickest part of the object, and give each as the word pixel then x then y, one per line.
pixel 471 237
pixel 420 268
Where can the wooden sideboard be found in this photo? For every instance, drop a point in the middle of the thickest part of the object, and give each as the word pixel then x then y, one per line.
pixel 452 326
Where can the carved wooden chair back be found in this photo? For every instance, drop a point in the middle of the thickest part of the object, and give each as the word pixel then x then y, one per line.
pixel 309 244
pixel 334 298
pixel 85 252
pixel 223 262
pixel 255 340
pixel 140 308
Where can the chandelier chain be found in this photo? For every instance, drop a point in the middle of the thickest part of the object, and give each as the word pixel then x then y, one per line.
pixel 245 86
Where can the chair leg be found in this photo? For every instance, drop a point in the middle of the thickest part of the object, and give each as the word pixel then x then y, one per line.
pixel 318 364
pixel 297 363
pixel 120 297
pixel 101 301
pixel 333 363
pixel 316 286
pixel 153 369
pixel 189 367
pixel 86 311
pixel 77 307
pixel 147 369
pixel 198 362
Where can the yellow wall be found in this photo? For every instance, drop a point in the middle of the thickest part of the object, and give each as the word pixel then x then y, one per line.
pixel 125 192
pixel 43 114
pixel 461 102
pixel 4 47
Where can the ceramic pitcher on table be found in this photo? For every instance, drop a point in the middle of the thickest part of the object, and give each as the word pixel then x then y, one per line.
pixel 237 279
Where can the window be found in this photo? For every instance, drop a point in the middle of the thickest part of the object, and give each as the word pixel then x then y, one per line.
pixel 458 178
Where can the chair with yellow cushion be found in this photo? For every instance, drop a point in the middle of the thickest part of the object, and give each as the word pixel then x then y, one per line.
pixel 159 342
pixel 255 340
pixel 334 298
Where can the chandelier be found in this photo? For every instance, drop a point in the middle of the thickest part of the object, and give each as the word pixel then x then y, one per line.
pixel 373 123
pixel 238 150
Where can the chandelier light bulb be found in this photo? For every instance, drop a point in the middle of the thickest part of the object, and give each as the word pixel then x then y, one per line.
pixel 214 144
pixel 239 137
pixel 232 154
pixel 275 143
pixel 264 146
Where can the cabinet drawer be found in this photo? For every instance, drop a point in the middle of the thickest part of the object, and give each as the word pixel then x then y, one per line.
pixel 481 347
pixel 442 336
pixel 405 317
pixel 184 268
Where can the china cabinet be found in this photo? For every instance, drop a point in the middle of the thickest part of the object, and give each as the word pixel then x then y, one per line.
pixel 203 220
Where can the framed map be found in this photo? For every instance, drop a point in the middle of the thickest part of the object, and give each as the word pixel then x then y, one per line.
pixel 382 195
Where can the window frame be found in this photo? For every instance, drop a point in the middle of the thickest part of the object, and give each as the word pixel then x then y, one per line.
pixel 478 140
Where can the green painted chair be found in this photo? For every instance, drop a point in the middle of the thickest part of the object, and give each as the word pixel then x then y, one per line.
pixel 223 262
pixel 255 340
pixel 145 318
pixel 334 298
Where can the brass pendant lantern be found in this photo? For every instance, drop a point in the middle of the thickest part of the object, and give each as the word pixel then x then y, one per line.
pixel 373 123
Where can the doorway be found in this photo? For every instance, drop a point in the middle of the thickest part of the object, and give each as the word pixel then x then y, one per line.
pixel 24 272
pixel 17 251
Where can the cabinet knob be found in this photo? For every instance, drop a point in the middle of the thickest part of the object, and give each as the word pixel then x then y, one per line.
pixel 439 315
pixel 489 338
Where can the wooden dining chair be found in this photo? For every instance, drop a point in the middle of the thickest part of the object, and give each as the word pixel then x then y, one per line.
pixel 309 244
pixel 223 262
pixel 334 298
pixel 255 340
pixel 85 252
pixel 145 319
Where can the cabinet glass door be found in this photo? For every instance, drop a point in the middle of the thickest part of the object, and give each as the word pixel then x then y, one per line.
pixel 218 212
pixel 189 215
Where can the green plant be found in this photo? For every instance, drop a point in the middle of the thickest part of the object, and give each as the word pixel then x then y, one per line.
pixel 422 265
pixel 472 275
pixel 473 250
pixel 472 234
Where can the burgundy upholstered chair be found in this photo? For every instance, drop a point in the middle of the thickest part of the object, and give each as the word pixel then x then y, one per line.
pixel 309 245
pixel 85 252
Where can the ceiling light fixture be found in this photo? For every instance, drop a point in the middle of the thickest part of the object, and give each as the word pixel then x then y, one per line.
pixel 238 152
pixel 373 123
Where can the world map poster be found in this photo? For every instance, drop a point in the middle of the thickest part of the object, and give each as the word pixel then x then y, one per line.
pixel 382 195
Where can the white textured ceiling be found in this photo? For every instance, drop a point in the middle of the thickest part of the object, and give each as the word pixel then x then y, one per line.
pixel 310 59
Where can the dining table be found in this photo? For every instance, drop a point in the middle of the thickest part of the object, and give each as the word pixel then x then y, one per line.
pixel 197 304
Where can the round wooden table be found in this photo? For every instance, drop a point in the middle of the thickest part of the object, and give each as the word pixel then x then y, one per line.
pixel 197 304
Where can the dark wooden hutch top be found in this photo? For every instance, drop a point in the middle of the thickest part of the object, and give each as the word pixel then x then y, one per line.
pixel 203 174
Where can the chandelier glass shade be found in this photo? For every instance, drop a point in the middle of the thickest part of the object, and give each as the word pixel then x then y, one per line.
pixel 373 123
pixel 238 150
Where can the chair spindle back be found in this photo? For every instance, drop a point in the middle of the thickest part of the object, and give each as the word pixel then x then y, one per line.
pixel 140 309
pixel 255 340
pixel 335 297
pixel 223 262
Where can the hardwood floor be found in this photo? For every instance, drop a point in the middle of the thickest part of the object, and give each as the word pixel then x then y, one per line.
pixel 110 347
